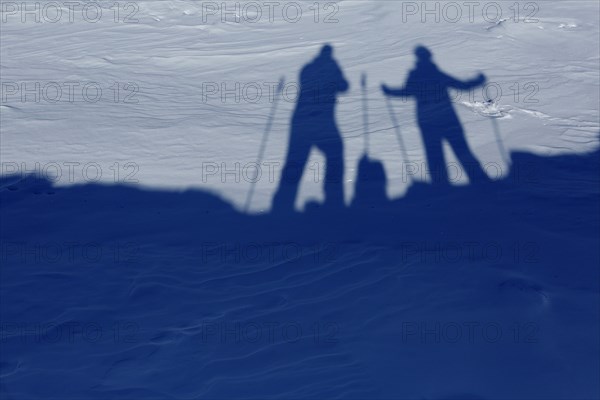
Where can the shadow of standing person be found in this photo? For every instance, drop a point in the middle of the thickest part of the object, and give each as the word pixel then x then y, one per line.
pixel 437 118
pixel 313 124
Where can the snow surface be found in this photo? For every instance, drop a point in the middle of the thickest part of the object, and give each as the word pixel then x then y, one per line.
pixel 192 297
pixel 170 53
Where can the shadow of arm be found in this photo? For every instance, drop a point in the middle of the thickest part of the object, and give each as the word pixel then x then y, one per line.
pixel 405 91
pixel 464 85
pixel 401 92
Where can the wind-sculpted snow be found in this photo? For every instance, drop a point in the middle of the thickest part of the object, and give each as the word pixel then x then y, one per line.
pixel 168 120
pixel 134 293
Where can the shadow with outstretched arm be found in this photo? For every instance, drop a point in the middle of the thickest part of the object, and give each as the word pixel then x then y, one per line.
pixel 313 125
pixel 437 118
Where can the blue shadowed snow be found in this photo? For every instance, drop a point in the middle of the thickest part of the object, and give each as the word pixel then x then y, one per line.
pixel 475 292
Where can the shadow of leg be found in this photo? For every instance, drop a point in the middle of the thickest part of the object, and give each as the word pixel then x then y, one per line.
pixel 334 171
pixel 297 156
pixel 435 158
pixel 466 157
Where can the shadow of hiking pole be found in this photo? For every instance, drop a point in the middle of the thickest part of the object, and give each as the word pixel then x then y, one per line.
pixel 371 179
pixel 263 145
pixel 396 128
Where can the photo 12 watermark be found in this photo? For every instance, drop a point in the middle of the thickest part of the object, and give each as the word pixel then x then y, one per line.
pixel 73 171
pixel 269 332
pixel 253 12
pixel 456 172
pixel 452 252
pixel 468 332
pixel 68 253
pixel 53 92
pixel 69 332
pixel 409 171
pixel 54 12
pixel 253 92
pixel 271 252
pixel 493 12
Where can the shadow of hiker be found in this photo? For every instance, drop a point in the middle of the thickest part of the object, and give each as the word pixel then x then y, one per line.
pixel 313 125
pixel 437 118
